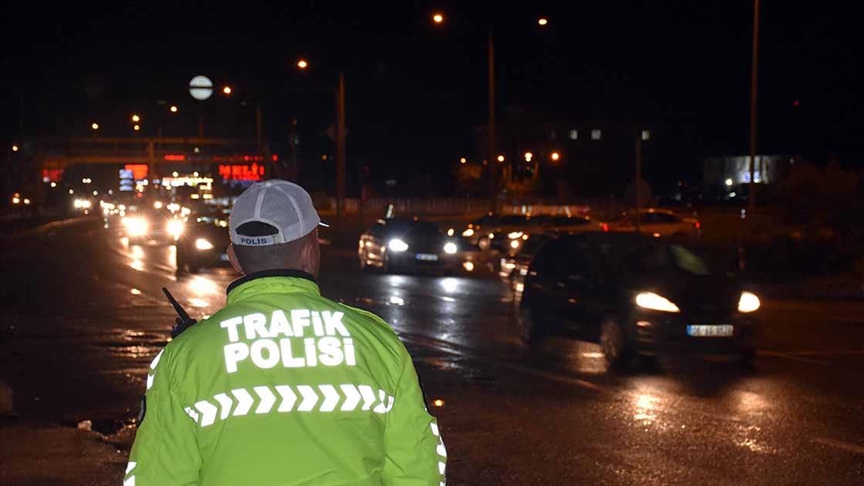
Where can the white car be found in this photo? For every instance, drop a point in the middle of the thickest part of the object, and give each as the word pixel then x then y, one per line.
pixel 657 222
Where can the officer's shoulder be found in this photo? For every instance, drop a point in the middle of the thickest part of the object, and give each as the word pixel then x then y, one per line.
pixel 375 319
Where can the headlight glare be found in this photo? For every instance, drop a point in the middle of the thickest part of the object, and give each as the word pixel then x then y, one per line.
pixel 650 300
pixel 137 226
pixel 203 244
pixel 397 245
pixel 175 228
pixel 450 248
pixel 468 233
pixel 748 302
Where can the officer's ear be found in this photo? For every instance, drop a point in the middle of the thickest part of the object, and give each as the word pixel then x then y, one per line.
pixel 232 257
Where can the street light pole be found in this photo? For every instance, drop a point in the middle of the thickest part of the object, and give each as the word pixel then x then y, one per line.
pixel 340 148
pixel 754 77
pixel 490 142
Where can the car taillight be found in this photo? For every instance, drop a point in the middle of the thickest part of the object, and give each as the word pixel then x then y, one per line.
pixel 697 225
pixel 605 227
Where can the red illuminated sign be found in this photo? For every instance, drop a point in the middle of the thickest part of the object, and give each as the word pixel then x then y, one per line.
pixel 52 175
pixel 175 157
pixel 139 171
pixel 253 172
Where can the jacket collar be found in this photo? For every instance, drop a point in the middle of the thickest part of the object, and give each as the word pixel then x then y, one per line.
pixel 269 281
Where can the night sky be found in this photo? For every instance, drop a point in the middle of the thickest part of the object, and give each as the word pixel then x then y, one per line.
pixel 415 92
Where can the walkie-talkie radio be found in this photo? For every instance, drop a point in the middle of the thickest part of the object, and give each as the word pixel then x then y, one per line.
pixel 184 321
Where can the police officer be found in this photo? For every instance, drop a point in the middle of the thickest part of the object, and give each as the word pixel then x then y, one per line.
pixel 284 386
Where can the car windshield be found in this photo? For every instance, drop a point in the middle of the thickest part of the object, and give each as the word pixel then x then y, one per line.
pixel 661 257
pixel 413 229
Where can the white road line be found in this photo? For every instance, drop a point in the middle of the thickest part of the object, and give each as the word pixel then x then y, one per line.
pixel 839 444
pixel 791 357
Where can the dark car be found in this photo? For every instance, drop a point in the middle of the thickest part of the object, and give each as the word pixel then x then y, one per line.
pixel 402 244
pixel 635 295
pixel 518 260
pixel 203 241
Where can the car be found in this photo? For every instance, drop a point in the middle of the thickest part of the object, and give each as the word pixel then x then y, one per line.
pixel 518 260
pixel 142 224
pixel 475 230
pixel 203 241
pixel 635 295
pixel 507 229
pixel 568 224
pixel 657 223
pixel 408 244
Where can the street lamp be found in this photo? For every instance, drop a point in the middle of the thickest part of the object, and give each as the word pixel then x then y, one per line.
pixel 95 126
pixel 173 109
pixel 500 158
pixel 555 156
pixel 227 90
pixel 542 21
pixel 14 148
pixel 438 18
pixel 463 160
pixel 136 127
pixel 302 64
pixel 136 118
pixel 528 156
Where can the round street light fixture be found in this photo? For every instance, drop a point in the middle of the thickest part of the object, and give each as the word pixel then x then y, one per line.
pixel 463 160
pixel 438 18
pixel 173 109
pixel 95 126
pixel 226 90
pixel 136 127
pixel 542 21
pixel 555 156
pixel 136 118
pixel 302 64
pixel 500 158
pixel 14 148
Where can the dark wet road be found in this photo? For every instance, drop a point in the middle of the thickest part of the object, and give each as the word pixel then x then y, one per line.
pixel 83 315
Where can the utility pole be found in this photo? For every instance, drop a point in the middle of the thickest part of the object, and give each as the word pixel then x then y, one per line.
pixel 340 148
pixel 754 77
pixel 638 182
pixel 490 142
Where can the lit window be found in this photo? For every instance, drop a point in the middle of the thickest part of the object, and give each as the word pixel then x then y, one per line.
pixel 646 134
pixel 574 134
pixel 596 134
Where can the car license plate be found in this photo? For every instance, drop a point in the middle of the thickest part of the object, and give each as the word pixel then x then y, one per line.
pixel 427 257
pixel 223 257
pixel 719 330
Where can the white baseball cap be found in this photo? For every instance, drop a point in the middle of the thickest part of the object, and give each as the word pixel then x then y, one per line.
pixel 281 204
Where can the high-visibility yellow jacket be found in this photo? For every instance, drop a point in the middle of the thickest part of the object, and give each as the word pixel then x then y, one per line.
pixel 285 387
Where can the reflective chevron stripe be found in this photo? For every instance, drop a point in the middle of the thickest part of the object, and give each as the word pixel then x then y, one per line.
pixel 290 398
pixel 442 453
pixel 130 481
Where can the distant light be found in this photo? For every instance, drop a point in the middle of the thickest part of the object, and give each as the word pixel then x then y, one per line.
pixel 195 174
pixel 437 18
pixel 95 193
pixel 26 201
pixel 173 109
pixel 542 21
pixel 95 126
pixel 732 194
pixel 796 103
pixel 302 64
pixel 646 134
pixel 463 160
pixel 227 90
pixel 528 156
pixel 275 158
pixel 71 191
pixel 136 127
pixel 323 157
pixel 469 266
pixel 555 156
pixel 175 174
pixel 500 158
pixel 53 184
pixel 729 182
pixel 437 402
pixel 14 148
pixel 136 118
pixel 135 292
pixel 201 88
pixel 16 200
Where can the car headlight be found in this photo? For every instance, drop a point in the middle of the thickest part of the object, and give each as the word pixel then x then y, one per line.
pixel 515 234
pixel 650 300
pixel 515 244
pixel 450 248
pixel 748 302
pixel 397 245
pixel 202 244
pixel 174 228
pixel 468 233
pixel 136 226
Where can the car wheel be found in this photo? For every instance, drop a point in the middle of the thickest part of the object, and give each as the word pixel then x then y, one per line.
pixel 531 330
pixel 613 344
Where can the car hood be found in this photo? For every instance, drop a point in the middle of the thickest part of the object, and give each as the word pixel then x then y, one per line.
pixel 691 292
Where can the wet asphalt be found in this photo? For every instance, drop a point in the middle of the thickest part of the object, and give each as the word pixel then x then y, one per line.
pixel 83 315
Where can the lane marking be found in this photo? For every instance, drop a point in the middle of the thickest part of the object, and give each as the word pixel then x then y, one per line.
pixel 839 444
pixel 791 357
